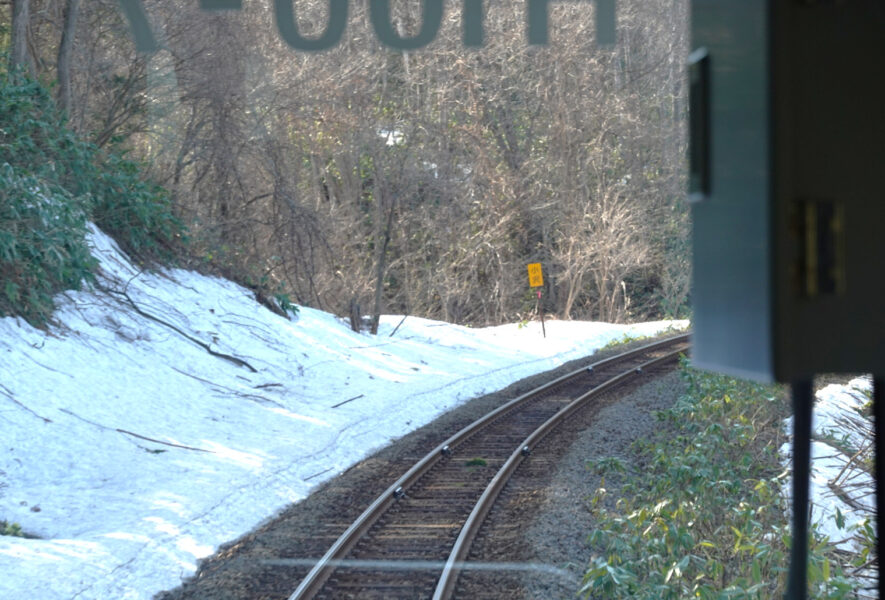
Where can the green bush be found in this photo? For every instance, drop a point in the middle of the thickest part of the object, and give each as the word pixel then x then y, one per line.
pixel 34 140
pixel 137 213
pixel 11 529
pixel 52 183
pixel 705 518
pixel 42 244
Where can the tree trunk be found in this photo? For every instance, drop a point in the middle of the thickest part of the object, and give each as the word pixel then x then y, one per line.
pixel 382 239
pixel 21 56
pixel 65 49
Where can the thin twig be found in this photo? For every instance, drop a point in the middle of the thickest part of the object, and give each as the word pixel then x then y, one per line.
pixel 6 392
pixel 48 368
pixel 224 388
pixel 317 474
pixel 348 400
pixel 397 325
pixel 118 430
pixel 848 464
pixel 144 437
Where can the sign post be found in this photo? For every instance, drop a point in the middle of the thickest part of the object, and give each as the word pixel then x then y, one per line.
pixel 536 280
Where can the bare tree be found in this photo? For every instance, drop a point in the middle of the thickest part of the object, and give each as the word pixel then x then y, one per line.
pixel 570 154
pixel 20 55
pixel 65 51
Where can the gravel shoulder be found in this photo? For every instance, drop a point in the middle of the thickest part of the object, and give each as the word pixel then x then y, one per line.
pixel 558 534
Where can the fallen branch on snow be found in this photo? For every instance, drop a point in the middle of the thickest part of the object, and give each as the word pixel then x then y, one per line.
pixel 144 437
pixel 317 474
pixel 6 392
pixel 133 434
pixel 224 388
pixel 204 345
pixel 348 400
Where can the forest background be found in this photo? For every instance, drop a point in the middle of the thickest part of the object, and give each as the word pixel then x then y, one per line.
pixel 363 179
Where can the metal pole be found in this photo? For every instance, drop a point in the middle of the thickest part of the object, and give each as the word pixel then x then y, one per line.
pixel 803 405
pixel 541 310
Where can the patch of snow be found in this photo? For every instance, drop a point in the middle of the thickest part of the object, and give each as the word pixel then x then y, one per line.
pixel 392 137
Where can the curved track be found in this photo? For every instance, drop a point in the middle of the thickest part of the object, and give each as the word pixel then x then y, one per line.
pixel 429 516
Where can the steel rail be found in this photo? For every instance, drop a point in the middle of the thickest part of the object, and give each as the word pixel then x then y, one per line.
pixel 445 587
pixel 316 578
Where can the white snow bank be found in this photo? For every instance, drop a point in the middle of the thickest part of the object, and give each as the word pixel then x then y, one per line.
pixel 132 452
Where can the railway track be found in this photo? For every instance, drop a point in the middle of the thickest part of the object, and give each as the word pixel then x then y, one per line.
pixel 413 540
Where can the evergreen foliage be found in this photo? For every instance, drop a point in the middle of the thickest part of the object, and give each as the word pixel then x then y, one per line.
pixel 42 243
pixel 51 184
pixel 706 517
pixel 11 529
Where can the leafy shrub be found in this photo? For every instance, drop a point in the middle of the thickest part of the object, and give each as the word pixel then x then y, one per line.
pixel 11 529
pixel 706 517
pixel 136 212
pixel 52 183
pixel 285 303
pixel 42 244
pixel 34 140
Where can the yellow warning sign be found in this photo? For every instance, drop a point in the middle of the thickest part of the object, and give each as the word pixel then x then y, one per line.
pixel 536 278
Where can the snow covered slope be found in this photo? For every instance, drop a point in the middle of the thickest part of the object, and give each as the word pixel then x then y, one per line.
pixel 132 451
